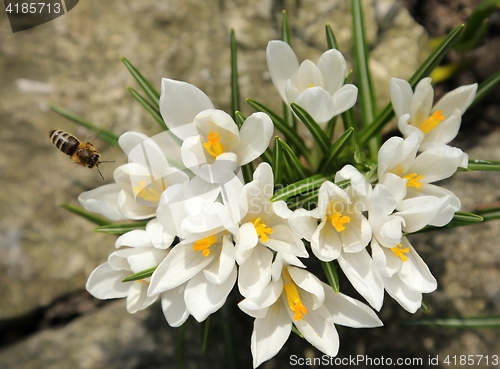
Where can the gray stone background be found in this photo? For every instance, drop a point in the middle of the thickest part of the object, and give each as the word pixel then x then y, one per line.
pixel 47 320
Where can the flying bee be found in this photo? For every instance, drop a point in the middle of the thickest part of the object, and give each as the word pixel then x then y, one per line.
pixel 84 154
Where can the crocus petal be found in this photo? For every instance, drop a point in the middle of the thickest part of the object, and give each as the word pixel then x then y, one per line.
pixel 136 238
pixel 359 270
pixel 255 272
pixel 131 209
pixel 282 64
pixel 303 223
pixel 310 283
pixel 401 96
pixel 333 66
pixel 180 102
pixel 270 334
pixel 437 163
pixel 421 103
pixel 106 283
pixel 204 298
pixel 460 98
pixel 173 306
pixel 137 298
pixel 349 312
pixel 409 299
pixel 247 240
pixel 415 273
pixel 357 233
pixel 255 134
pixel 318 103
pixel 326 243
pixel 268 297
pixel 384 259
pixel 103 200
pixel 129 140
pixel 223 266
pixel 283 239
pixel 344 99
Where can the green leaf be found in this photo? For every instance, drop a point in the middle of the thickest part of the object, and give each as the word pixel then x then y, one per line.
pixel 296 166
pixel 140 275
pixel 481 165
pixel 318 134
pixel 247 171
pixel 147 87
pixel 286 35
pixel 331 40
pixel 330 270
pixel 485 87
pixel 476 26
pixel 423 71
pixel 87 215
pixel 291 136
pixel 239 118
pixel 120 229
pixel 466 323
pixel 277 163
pixel 235 90
pixel 304 186
pixel 155 113
pixel 460 219
pixel 103 134
pixel 335 150
pixel 206 334
pixel 489 214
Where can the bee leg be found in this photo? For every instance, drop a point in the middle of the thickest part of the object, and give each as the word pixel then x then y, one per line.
pixel 100 173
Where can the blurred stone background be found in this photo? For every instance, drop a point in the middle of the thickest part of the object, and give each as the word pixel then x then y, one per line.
pixel 47 320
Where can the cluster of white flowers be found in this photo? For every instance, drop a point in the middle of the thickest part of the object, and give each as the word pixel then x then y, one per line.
pixel 208 229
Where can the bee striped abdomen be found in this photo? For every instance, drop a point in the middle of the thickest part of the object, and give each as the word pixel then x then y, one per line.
pixel 64 141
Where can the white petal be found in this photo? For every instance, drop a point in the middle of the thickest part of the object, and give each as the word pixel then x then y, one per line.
pixel 384 260
pixel 310 283
pixel 180 102
pixel 135 238
pixel 246 241
pixel 282 64
pixel 318 103
pixel 415 273
pixel 103 200
pixel 106 283
pixel 344 99
pixel 129 140
pixel 359 270
pixel 284 240
pixel 356 234
pixel 160 237
pixel 349 312
pixel 145 258
pixel 326 243
pixel 137 298
pixel 255 134
pixel 333 66
pixel 131 209
pixel 437 163
pixel 401 96
pixel 255 272
pixel 173 306
pixel 421 103
pixel 460 98
pixel 268 297
pixel 270 334
pixel 303 223
pixel 223 266
pixel 204 298
pixel 409 299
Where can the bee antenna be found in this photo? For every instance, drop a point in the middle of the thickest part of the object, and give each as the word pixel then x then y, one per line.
pixel 100 173
pixel 106 161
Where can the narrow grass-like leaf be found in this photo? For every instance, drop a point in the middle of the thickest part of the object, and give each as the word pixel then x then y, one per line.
pixel 303 200
pixel 481 165
pixel 103 134
pixel 286 35
pixel 155 113
pixel 304 186
pixel 235 90
pixel 100 221
pixel 489 214
pixel 277 163
pixel 336 149
pixel 267 156
pixel 485 87
pixel 423 71
pixel 247 171
pixel 476 26
pixel 206 334
pixel 330 270
pixel 291 136
pixel 140 275
pixel 181 346
pixel 318 134
pixel 239 118
pixel 147 87
pixel 331 40
pixel 465 323
pixel 119 229
pixel 294 162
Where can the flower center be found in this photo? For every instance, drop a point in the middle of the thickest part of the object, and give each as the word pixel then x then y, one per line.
pixel 336 218
pixel 204 244
pixel 292 297
pixel 400 252
pixel 213 145
pixel 432 122
pixel 262 230
pixel 148 193
pixel 413 180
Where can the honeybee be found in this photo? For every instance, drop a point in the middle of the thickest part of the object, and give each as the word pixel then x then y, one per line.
pixel 84 154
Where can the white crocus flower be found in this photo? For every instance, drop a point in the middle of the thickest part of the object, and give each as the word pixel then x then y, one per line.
pixel 399 156
pixel 264 229
pixel 319 89
pixel 301 299
pixel 439 124
pixel 212 142
pixel 105 282
pixel 205 268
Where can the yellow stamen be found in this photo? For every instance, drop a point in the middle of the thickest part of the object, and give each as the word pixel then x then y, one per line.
pixel 262 230
pixel 292 297
pixel 213 145
pixel 204 244
pixel 400 252
pixel 413 180
pixel 432 122
pixel 338 220
pixel 143 280
pixel 148 194
pixel 311 85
